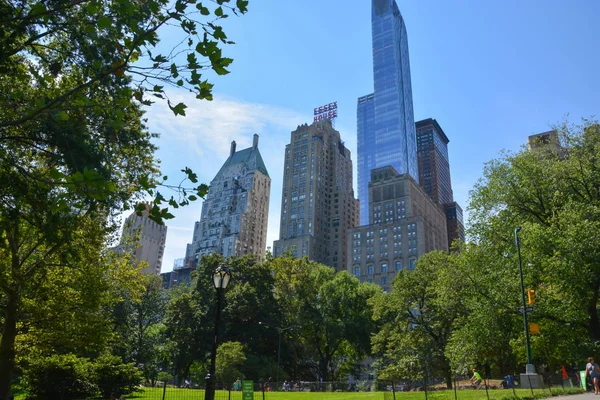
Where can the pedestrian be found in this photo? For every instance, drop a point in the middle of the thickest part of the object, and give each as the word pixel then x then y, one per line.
pixel 237 384
pixel 593 371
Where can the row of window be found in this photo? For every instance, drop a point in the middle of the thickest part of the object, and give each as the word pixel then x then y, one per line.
pixel 384 268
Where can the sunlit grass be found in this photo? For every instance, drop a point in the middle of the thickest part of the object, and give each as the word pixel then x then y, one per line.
pixel 461 394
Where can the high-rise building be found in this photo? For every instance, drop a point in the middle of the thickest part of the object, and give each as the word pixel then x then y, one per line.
pixel 454 222
pixel 318 204
pixel 407 223
pixel 385 119
pixel 235 212
pixel 432 156
pixel 145 239
pixel 543 140
pixel 434 174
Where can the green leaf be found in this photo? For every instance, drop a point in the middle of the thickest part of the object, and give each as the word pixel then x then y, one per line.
pixel 104 22
pixel 219 12
pixel 92 7
pixel 203 10
pixel 61 116
pixel 37 9
pixel 242 5
pixel 179 109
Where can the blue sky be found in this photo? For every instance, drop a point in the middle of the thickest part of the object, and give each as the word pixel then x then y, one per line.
pixel 490 72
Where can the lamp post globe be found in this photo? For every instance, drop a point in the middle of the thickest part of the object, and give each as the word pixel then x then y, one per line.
pixel 221 278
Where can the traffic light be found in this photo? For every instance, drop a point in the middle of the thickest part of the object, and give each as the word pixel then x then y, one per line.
pixel 530 296
pixel 534 328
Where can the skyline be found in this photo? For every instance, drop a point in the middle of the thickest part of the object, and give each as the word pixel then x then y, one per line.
pixel 481 99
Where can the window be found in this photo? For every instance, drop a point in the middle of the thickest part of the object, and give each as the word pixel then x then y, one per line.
pixel 398 265
pixel 383 280
pixel 370 270
pixel 412 263
pixel 357 271
pixel 383 268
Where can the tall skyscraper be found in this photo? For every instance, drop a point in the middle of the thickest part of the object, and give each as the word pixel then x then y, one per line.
pixel 144 239
pixel 385 119
pixel 235 212
pixel 432 156
pixel 434 174
pixel 318 204
pixel 407 223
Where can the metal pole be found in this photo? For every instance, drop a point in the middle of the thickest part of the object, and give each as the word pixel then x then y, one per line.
pixel 278 359
pixel 529 369
pixel 211 378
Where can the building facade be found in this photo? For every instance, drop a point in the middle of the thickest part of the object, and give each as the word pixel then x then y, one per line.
pixel 434 174
pixel 318 204
pixel 407 223
pixel 234 215
pixel 145 239
pixel 543 140
pixel 432 156
pixel 385 118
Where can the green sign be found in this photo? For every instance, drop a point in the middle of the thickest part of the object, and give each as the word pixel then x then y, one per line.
pixel 582 376
pixel 247 390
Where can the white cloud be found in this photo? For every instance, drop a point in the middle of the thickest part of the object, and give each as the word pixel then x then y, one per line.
pixel 201 140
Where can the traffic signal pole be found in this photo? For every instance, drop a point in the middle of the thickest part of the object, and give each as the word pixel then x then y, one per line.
pixel 529 368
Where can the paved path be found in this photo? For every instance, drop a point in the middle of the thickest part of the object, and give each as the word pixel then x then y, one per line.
pixel 585 396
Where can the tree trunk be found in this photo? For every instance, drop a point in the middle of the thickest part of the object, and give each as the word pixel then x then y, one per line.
pixel 7 345
pixel 448 378
pixel 594 324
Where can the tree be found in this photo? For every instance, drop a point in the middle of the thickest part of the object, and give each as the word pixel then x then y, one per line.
pixel 230 358
pixel 331 312
pixel 418 318
pixel 551 191
pixel 140 328
pixel 74 148
pixel 248 300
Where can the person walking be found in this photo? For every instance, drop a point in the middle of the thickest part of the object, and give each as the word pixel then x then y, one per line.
pixel 593 371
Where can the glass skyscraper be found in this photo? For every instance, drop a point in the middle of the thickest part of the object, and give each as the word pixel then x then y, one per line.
pixel 385 120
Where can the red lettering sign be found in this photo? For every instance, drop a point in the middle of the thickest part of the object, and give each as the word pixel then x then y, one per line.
pixel 328 111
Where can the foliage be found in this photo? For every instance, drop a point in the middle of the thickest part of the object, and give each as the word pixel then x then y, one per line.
pixel 164 377
pixel 418 318
pixel 307 292
pixel 99 57
pixel 191 312
pixel 140 329
pixel 75 148
pixel 230 358
pixel 60 376
pixel 551 191
pixel 113 377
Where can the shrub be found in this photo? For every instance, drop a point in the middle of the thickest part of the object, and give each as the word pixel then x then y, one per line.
pixel 165 377
pixel 59 377
pixel 115 378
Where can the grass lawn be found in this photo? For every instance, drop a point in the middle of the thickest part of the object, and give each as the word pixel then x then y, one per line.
pixel 195 394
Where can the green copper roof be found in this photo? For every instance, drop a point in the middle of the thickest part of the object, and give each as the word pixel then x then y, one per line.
pixel 250 156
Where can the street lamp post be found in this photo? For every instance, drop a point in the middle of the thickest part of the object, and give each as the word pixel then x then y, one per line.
pixel 279 332
pixel 221 278
pixel 529 368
